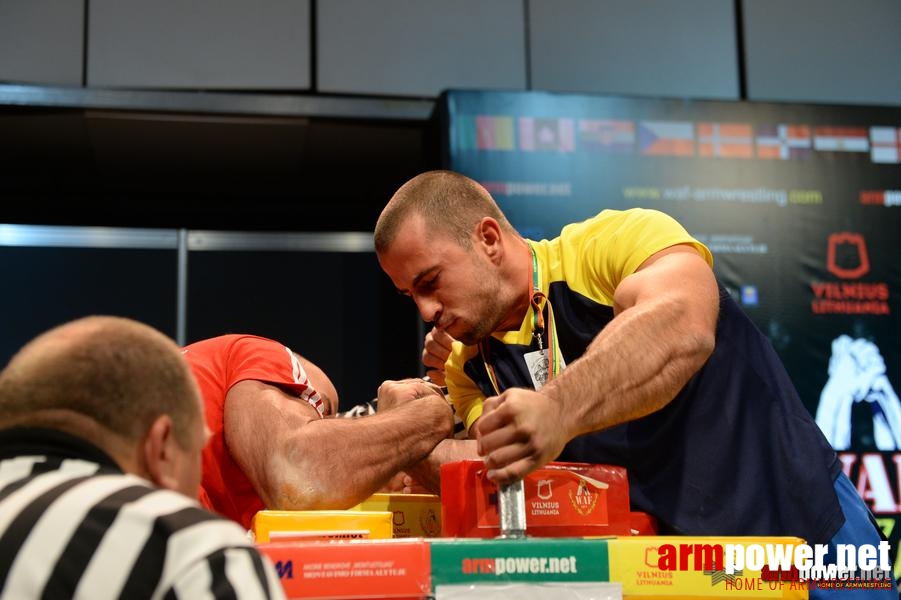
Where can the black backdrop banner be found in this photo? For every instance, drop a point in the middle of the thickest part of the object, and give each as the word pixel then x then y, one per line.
pixel 800 205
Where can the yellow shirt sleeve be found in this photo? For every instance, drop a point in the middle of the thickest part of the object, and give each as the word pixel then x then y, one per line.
pixel 604 250
pixel 464 393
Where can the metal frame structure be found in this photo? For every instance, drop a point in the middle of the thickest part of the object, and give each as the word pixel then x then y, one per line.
pixel 205 102
pixel 182 241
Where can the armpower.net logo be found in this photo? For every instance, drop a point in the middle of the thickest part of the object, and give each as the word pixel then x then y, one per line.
pixel 798 566
pixel 531 565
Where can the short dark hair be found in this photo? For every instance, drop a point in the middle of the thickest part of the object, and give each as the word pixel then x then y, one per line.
pixel 120 373
pixel 449 202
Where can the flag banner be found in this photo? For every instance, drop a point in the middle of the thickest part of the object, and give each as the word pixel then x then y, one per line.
pixel 783 141
pixel 840 139
pixel 666 138
pixel 729 140
pixel 885 144
pixel 552 135
pixel 599 135
pixel 494 133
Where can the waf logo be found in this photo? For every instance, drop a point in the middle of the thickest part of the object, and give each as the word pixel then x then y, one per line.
pixel 846 256
pixel 848 259
pixel 584 499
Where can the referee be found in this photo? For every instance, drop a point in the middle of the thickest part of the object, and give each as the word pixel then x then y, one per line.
pixel 101 429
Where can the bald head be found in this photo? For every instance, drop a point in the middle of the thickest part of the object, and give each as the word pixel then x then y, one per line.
pixel 448 202
pixel 118 373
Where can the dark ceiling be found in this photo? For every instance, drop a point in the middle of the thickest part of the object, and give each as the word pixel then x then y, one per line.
pixel 206 170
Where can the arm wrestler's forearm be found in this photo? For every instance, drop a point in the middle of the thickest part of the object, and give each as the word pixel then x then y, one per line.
pixel 336 463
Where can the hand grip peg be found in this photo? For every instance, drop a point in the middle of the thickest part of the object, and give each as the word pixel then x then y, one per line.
pixel 511 508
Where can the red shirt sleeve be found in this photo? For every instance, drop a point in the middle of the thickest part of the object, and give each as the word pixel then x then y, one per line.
pixel 265 360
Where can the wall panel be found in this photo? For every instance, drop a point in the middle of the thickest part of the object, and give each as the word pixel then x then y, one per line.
pixel 41 41
pixel 635 47
pixel 828 51
pixel 221 44
pixel 401 47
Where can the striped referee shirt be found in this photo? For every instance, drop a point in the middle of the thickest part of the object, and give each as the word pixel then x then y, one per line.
pixel 73 525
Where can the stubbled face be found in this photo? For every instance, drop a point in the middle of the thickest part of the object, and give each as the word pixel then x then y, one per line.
pixel 456 288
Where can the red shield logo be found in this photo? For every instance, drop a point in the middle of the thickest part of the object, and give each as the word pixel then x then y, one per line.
pixel 846 256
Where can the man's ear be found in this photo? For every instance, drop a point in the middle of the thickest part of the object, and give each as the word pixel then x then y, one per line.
pixel 488 234
pixel 158 454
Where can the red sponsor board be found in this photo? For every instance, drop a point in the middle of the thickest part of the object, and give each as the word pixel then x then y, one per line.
pixel 398 569
pixel 562 499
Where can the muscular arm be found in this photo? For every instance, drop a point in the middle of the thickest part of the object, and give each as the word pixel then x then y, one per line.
pixel 662 333
pixel 297 461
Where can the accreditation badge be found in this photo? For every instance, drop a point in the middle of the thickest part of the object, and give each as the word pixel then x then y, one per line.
pixel 537 363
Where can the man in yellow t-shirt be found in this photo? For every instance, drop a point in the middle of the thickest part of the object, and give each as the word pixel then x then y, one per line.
pixel 650 365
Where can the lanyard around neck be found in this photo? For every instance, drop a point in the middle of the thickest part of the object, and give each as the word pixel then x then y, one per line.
pixel 536 299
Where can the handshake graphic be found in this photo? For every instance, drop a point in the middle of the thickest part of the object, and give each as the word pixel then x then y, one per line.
pixel 857 374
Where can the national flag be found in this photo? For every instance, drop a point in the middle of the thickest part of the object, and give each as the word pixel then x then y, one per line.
pixel 494 133
pixel 555 135
pixel 598 135
pixel 464 133
pixel 885 144
pixel 783 141
pixel 666 138
pixel 840 139
pixel 730 140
